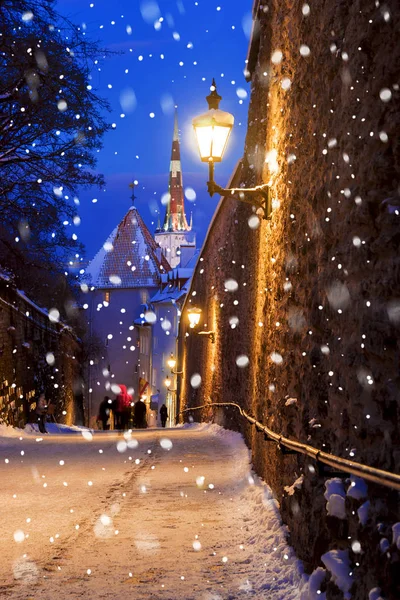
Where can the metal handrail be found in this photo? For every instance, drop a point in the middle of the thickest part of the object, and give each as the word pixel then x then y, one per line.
pixel 391 480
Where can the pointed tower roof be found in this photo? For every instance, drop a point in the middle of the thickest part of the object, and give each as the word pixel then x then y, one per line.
pixel 175 218
pixel 130 258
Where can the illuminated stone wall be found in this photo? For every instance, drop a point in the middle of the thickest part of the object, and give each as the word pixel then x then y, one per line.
pixel 318 297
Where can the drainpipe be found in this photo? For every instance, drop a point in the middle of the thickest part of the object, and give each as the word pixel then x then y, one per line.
pixel 89 405
pixel 177 368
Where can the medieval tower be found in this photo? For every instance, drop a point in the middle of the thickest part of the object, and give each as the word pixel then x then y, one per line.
pixel 175 235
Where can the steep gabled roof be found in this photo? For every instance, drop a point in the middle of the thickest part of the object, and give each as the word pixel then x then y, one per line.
pixel 128 258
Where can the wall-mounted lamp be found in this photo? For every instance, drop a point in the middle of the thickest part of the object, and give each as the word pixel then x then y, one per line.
pixel 171 362
pixel 209 334
pixel 194 315
pixel 194 319
pixel 212 130
pixel 167 382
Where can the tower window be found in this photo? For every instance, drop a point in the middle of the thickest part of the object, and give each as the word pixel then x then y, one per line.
pixel 106 296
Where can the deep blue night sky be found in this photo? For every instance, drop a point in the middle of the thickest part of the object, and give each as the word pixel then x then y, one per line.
pixel 217 41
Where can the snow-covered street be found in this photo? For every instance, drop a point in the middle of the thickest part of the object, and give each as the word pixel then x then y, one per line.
pixel 168 514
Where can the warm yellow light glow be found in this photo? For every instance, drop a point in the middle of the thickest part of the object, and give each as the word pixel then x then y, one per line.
pixel 272 162
pixel 212 132
pixel 194 316
pixel 204 140
pixel 167 382
pixel 171 362
pixel 220 139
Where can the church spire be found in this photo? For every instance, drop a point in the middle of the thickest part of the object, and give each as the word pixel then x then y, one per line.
pixel 175 218
pixel 132 187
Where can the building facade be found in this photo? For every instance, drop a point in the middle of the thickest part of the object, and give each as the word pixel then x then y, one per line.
pixel 135 286
pixel 158 341
pixel 123 276
pixel 36 354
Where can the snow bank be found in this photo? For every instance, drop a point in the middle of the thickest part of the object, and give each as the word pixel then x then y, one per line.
pixel 290 401
pixel 335 495
pixel 375 594
pixel 358 489
pixel 396 535
pixel 337 562
pixel 362 512
pixel 296 485
pixel 6 431
pixel 195 425
pixel 384 545
pixel 10 432
pixel 55 428
pixel 311 586
pixel 233 436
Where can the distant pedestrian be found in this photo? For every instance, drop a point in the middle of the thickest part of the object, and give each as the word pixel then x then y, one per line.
pixel 40 412
pixel 140 415
pixel 116 414
pixel 104 412
pixel 163 415
pixel 123 406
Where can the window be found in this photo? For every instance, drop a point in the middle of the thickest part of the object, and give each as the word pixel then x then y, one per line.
pixel 145 344
pixel 144 296
pixel 107 296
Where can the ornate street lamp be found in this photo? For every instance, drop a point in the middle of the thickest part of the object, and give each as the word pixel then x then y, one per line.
pixel 212 130
pixel 167 382
pixel 194 319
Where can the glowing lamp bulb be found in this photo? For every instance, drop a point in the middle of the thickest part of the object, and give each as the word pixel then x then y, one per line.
pixel 194 316
pixel 171 362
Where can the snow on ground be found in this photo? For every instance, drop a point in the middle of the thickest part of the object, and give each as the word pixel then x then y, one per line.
pixel 55 428
pixel 33 429
pixel 171 514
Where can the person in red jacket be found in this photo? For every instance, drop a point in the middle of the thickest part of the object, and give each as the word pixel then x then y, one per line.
pixel 123 408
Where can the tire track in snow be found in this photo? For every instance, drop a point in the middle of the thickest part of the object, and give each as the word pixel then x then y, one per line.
pixel 41 571
pixel 114 493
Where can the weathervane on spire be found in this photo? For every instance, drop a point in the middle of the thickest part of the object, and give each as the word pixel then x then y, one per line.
pixel 132 185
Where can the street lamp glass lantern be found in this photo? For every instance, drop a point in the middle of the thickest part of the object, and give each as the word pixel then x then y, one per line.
pixel 171 362
pixel 213 128
pixel 167 382
pixel 194 316
pixel 212 133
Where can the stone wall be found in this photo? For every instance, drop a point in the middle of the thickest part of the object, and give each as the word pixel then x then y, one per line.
pixel 318 298
pixel 27 336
